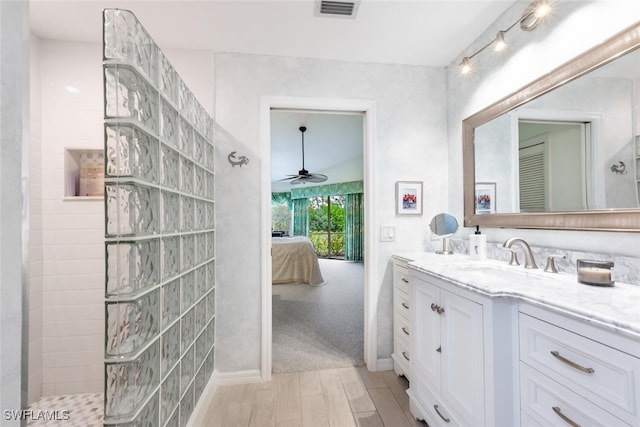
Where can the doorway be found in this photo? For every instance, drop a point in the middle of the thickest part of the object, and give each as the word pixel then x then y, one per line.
pixel 366 109
pixel 317 323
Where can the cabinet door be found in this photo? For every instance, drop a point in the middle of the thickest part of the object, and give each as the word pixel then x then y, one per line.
pixel 462 383
pixel 425 327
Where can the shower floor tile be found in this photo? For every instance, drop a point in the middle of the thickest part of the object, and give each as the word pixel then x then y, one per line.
pixel 73 410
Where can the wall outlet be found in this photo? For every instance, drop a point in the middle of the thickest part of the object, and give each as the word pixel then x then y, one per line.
pixel 387 233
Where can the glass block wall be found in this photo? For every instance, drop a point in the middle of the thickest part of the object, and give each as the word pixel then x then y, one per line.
pixel 159 229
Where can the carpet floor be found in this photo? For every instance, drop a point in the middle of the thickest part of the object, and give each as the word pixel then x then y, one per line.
pixel 320 327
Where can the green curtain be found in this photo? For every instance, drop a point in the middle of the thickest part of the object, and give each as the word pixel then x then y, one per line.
pixel 354 227
pixel 278 198
pixel 339 189
pixel 300 217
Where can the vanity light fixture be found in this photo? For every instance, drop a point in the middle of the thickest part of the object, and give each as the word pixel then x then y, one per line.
pixel 534 14
pixel 499 44
pixel 465 65
pixel 532 17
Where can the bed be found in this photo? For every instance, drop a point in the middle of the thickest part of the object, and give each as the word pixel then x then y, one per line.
pixel 294 260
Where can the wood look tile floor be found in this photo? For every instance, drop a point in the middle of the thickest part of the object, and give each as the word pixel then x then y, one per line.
pixel 341 397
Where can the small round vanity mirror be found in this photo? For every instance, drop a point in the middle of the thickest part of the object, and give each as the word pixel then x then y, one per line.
pixel 443 226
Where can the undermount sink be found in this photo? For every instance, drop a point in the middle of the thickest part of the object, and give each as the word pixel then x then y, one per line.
pixel 501 271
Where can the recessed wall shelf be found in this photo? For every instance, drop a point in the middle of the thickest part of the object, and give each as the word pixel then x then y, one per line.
pixel 83 174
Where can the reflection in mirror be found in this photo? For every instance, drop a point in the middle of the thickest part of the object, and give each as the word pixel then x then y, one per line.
pixel 565 145
pixel 444 226
pixel 555 153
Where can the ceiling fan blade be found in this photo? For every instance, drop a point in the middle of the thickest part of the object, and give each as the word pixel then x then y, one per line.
pixel 311 177
pixel 316 177
pixel 290 177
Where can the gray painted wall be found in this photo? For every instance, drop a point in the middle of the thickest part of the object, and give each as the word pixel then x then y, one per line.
pixel 410 145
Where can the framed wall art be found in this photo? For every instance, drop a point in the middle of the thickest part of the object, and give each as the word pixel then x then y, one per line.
pixel 409 197
pixel 485 198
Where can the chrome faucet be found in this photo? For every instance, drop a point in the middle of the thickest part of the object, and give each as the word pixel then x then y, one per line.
pixel 529 262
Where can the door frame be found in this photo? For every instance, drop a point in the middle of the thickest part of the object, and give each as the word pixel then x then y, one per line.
pixel 368 108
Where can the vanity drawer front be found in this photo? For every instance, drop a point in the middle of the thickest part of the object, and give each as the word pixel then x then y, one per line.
pixel 402 305
pixel 401 278
pixel 547 403
pixel 437 414
pixel 604 375
pixel 402 331
pixel 403 353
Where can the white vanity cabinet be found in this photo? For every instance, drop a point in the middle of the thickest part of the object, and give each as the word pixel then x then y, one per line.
pixel 401 319
pixel 575 372
pixel 462 349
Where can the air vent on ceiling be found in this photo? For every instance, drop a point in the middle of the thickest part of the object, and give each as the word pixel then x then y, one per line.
pixel 337 9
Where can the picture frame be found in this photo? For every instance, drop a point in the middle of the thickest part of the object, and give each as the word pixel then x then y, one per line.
pixel 409 197
pixel 485 198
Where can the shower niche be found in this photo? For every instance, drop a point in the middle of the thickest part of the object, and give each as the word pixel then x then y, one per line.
pixel 84 174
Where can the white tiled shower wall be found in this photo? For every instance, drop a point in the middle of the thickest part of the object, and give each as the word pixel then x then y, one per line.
pixel 72 231
pixel 67 236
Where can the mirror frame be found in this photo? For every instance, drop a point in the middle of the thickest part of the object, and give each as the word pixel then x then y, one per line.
pixel 603 220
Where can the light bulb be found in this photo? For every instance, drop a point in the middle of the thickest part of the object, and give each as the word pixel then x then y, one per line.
pixel 500 43
pixel 465 66
pixel 542 9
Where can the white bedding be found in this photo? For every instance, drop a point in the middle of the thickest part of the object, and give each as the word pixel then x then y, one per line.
pixel 294 260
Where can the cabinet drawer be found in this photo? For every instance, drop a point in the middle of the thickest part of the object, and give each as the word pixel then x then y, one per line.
pixel 402 354
pixel 436 412
pixel 603 375
pixel 401 278
pixel 402 305
pixel 402 331
pixel 549 404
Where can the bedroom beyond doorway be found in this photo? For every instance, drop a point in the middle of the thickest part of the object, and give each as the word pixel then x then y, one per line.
pixel 318 327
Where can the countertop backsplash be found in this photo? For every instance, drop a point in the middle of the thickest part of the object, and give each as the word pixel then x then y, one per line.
pixel 626 270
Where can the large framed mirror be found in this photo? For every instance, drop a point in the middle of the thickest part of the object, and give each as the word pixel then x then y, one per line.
pixel 564 151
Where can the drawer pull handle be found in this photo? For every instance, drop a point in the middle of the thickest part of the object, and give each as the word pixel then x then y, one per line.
pixel 566 419
pixel 405 330
pixel 405 280
pixel 404 304
pixel 405 355
pixel 572 364
pixel 440 310
pixel 434 307
pixel 446 420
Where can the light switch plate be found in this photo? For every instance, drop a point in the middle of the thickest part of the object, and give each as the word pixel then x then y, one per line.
pixel 387 233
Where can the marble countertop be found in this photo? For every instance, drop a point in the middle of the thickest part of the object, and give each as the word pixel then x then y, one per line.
pixel 616 307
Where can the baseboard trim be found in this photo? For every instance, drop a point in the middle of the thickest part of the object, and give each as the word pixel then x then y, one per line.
pixel 199 415
pixel 384 364
pixel 238 377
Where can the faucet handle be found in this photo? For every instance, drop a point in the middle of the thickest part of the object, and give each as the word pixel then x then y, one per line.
pixel 514 256
pixel 551 263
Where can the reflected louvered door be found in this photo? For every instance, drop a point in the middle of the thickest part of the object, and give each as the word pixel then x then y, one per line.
pixel 532 172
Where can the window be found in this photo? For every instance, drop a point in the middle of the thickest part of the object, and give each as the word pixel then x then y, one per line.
pixel 326 225
pixel 280 217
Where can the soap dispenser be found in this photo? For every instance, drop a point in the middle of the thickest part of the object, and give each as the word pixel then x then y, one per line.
pixel 478 244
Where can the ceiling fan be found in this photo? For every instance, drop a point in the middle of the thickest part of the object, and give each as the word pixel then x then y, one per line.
pixel 303 175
